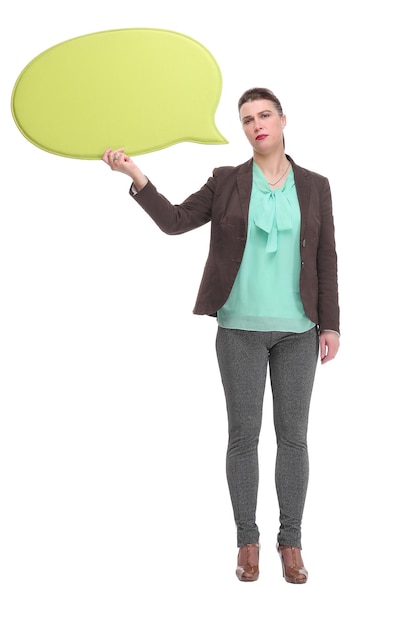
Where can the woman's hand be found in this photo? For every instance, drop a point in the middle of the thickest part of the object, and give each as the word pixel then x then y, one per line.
pixel 118 161
pixel 329 345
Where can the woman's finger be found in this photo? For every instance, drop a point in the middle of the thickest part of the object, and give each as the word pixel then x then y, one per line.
pixel 105 156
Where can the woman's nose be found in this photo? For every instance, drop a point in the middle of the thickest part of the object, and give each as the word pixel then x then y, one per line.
pixel 258 125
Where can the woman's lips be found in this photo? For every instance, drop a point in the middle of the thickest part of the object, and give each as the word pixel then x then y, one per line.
pixel 259 137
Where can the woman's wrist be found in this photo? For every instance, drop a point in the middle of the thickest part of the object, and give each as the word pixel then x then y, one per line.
pixel 139 181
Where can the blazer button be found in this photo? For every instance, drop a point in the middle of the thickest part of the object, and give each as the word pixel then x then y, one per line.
pixel 303 243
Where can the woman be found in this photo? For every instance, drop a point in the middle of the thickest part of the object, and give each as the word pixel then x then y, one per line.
pixel 271 281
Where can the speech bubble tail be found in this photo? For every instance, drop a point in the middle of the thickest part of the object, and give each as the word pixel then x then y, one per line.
pixel 207 133
pixel 213 140
pixel 219 139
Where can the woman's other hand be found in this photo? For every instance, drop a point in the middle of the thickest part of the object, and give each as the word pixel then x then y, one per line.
pixel 329 345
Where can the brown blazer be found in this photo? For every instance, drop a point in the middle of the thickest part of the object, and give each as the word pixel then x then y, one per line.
pixel 224 200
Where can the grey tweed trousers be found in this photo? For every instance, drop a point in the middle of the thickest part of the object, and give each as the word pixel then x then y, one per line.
pixel 244 357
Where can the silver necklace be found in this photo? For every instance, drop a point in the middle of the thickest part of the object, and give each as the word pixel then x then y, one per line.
pixel 280 178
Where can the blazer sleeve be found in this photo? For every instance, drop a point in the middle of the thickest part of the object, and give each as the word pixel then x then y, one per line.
pixel 175 219
pixel 328 300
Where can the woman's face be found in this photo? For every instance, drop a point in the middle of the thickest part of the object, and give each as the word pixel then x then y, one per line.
pixel 263 125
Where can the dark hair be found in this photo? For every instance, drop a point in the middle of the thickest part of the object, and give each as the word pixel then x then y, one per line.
pixel 260 93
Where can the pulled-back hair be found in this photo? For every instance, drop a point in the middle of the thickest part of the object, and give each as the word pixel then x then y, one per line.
pixel 260 93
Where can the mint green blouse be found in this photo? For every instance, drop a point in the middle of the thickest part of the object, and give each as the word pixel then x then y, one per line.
pixel 265 295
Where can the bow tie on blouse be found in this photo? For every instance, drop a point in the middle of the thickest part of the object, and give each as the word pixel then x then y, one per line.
pixel 273 214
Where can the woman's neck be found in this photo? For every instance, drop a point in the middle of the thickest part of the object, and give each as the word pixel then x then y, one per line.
pixel 273 166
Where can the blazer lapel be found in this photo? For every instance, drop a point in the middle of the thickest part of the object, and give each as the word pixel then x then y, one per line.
pixel 303 187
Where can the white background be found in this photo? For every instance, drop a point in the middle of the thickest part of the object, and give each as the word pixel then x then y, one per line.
pixel 114 504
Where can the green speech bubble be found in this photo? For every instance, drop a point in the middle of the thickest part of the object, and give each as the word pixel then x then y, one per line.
pixel 142 89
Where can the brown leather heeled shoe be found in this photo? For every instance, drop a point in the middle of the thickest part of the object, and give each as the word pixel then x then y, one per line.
pixel 293 568
pixel 248 562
